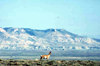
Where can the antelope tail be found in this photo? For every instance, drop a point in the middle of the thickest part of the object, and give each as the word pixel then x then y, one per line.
pixel 40 57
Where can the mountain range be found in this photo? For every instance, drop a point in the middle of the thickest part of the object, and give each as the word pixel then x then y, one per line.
pixel 49 39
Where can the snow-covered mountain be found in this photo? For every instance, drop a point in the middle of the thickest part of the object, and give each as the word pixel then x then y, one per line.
pixel 50 39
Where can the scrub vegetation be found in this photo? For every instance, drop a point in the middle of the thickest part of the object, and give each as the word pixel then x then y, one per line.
pixel 19 62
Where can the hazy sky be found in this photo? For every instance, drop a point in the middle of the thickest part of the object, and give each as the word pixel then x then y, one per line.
pixel 77 16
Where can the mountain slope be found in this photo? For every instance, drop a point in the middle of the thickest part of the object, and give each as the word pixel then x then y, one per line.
pixel 50 39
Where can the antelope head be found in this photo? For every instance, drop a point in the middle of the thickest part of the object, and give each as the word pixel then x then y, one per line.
pixel 50 53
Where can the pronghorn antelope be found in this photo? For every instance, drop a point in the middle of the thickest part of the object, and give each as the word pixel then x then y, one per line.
pixel 45 56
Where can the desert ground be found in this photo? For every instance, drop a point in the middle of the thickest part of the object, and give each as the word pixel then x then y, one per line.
pixel 19 62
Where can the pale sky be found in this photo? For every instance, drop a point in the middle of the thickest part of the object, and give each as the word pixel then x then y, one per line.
pixel 77 16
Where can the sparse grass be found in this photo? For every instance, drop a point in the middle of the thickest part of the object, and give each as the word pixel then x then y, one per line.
pixel 12 62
